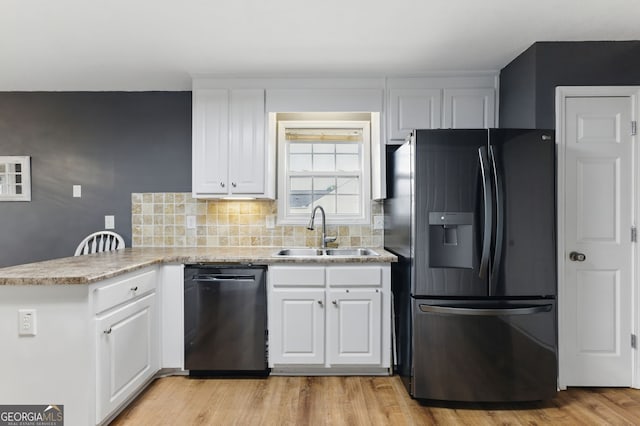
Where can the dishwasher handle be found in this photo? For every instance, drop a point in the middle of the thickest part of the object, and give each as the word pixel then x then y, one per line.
pixel 222 277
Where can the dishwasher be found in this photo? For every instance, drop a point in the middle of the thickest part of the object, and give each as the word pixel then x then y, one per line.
pixel 225 320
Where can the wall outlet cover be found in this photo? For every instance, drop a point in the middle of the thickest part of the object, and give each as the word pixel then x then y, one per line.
pixel 378 222
pixel 77 191
pixel 27 322
pixel 109 222
pixel 191 222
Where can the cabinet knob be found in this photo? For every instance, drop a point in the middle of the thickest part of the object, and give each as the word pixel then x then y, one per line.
pixel 335 303
pixel 233 184
pixel 320 303
pixel 222 184
pixel 134 288
pixel 107 331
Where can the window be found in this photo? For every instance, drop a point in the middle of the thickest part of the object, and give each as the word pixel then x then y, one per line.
pixel 15 178
pixel 324 163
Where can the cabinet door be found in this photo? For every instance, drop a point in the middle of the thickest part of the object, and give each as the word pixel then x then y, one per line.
pixel 469 108
pixel 210 141
pixel 126 353
pixel 296 326
pixel 247 142
pixel 413 109
pixel 354 326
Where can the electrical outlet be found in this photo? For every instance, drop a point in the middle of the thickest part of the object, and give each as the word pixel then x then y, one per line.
pixel 109 222
pixel 191 222
pixel 378 222
pixel 270 221
pixel 27 322
pixel 77 191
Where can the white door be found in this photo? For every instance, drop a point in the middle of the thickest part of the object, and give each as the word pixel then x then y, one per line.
pixel 355 326
pixel 210 141
pixel 469 108
pixel 413 109
pixel 296 327
pixel 247 142
pixel 127 353
pixel 596 301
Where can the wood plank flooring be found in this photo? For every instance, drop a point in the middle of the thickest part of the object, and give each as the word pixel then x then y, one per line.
pixel 357 401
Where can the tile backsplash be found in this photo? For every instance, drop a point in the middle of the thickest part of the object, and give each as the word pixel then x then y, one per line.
pixel 160 220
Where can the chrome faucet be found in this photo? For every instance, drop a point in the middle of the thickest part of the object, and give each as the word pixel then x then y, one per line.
pixel 325 239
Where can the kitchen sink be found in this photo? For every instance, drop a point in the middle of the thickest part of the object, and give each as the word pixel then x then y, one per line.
pixel 311 252
pixel 300 252
pixel 351 252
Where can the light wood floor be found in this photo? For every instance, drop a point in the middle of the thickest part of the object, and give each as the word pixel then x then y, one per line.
pixel 357 401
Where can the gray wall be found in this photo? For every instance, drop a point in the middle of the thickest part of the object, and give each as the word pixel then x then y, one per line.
pixel 533 76
pixel 111 143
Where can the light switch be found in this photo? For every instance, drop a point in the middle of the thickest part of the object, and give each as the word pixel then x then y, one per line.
pixel 109 222
pixel 77 191
pixel 270 221
pixel 191 222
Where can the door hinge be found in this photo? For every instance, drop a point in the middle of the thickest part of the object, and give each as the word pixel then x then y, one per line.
pixel 634 128
pixel 634 234
pixel 633 341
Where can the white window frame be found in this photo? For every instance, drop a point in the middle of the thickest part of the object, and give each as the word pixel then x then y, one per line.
pixel 284 217
pixel 9 185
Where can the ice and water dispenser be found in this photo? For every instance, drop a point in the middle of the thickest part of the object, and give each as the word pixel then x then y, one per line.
pixel 451 239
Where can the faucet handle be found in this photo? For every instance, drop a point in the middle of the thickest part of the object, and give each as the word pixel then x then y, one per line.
pixel 330 239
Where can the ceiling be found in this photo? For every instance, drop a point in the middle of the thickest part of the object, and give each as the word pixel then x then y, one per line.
pixel 159 44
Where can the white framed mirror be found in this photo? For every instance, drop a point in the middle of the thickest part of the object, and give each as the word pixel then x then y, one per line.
pixel 15 178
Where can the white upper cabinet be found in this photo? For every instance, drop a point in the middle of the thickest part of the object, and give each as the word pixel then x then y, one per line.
pixel 463 102
pixel 469 108
pixel 247 143
pixel 413 109
pixel 229 144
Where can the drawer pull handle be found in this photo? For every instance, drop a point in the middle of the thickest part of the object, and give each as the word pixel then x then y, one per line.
pixel 107 331
pixel 134 288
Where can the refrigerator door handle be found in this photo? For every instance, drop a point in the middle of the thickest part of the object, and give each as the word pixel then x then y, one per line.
pixel 499 214
pixel 488 211
pixel 528 310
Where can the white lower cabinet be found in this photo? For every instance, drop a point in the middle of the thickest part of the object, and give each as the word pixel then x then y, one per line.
pixel 298 320
pixel 329 319
pixel 126 339
pixel 354 318
pixel 127 353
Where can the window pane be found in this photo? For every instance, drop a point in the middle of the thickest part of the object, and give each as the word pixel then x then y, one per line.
pixel 324 148
pixel 324 185
pixel 349 186
pixel 2 168
pixel 348 148
pixel 300 192
pixel 18 189
pixel 348 204
pixel 18 178
pixel 300 148
pixel 348 162
pixel 324 162
pixel 300 162
pixel 328 203
pixel 18 167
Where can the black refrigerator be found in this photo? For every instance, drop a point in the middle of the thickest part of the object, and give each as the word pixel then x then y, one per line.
pixel 471 215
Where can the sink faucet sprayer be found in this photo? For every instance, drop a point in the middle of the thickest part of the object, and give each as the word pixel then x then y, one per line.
pixel 325 239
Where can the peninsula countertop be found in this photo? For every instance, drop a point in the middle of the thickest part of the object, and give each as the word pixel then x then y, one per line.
pixel 92 268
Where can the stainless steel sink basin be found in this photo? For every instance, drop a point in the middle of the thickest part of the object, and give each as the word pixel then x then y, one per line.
pixel 351 252
pixel 300 252
pixel 311 252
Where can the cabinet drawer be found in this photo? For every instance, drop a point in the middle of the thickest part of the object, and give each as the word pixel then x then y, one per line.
pixel 370 276
pixel 111 295
pixel 296 276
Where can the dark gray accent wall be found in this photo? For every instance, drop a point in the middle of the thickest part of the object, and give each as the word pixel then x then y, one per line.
pixel 111 143
pixel 546 65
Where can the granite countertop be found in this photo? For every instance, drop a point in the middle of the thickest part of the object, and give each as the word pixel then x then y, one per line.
pixel 91 268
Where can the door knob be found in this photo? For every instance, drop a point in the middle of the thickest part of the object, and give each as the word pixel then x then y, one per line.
pixel 577 257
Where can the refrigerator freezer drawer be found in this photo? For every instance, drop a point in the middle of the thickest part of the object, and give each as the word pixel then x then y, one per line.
pixel 484 350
